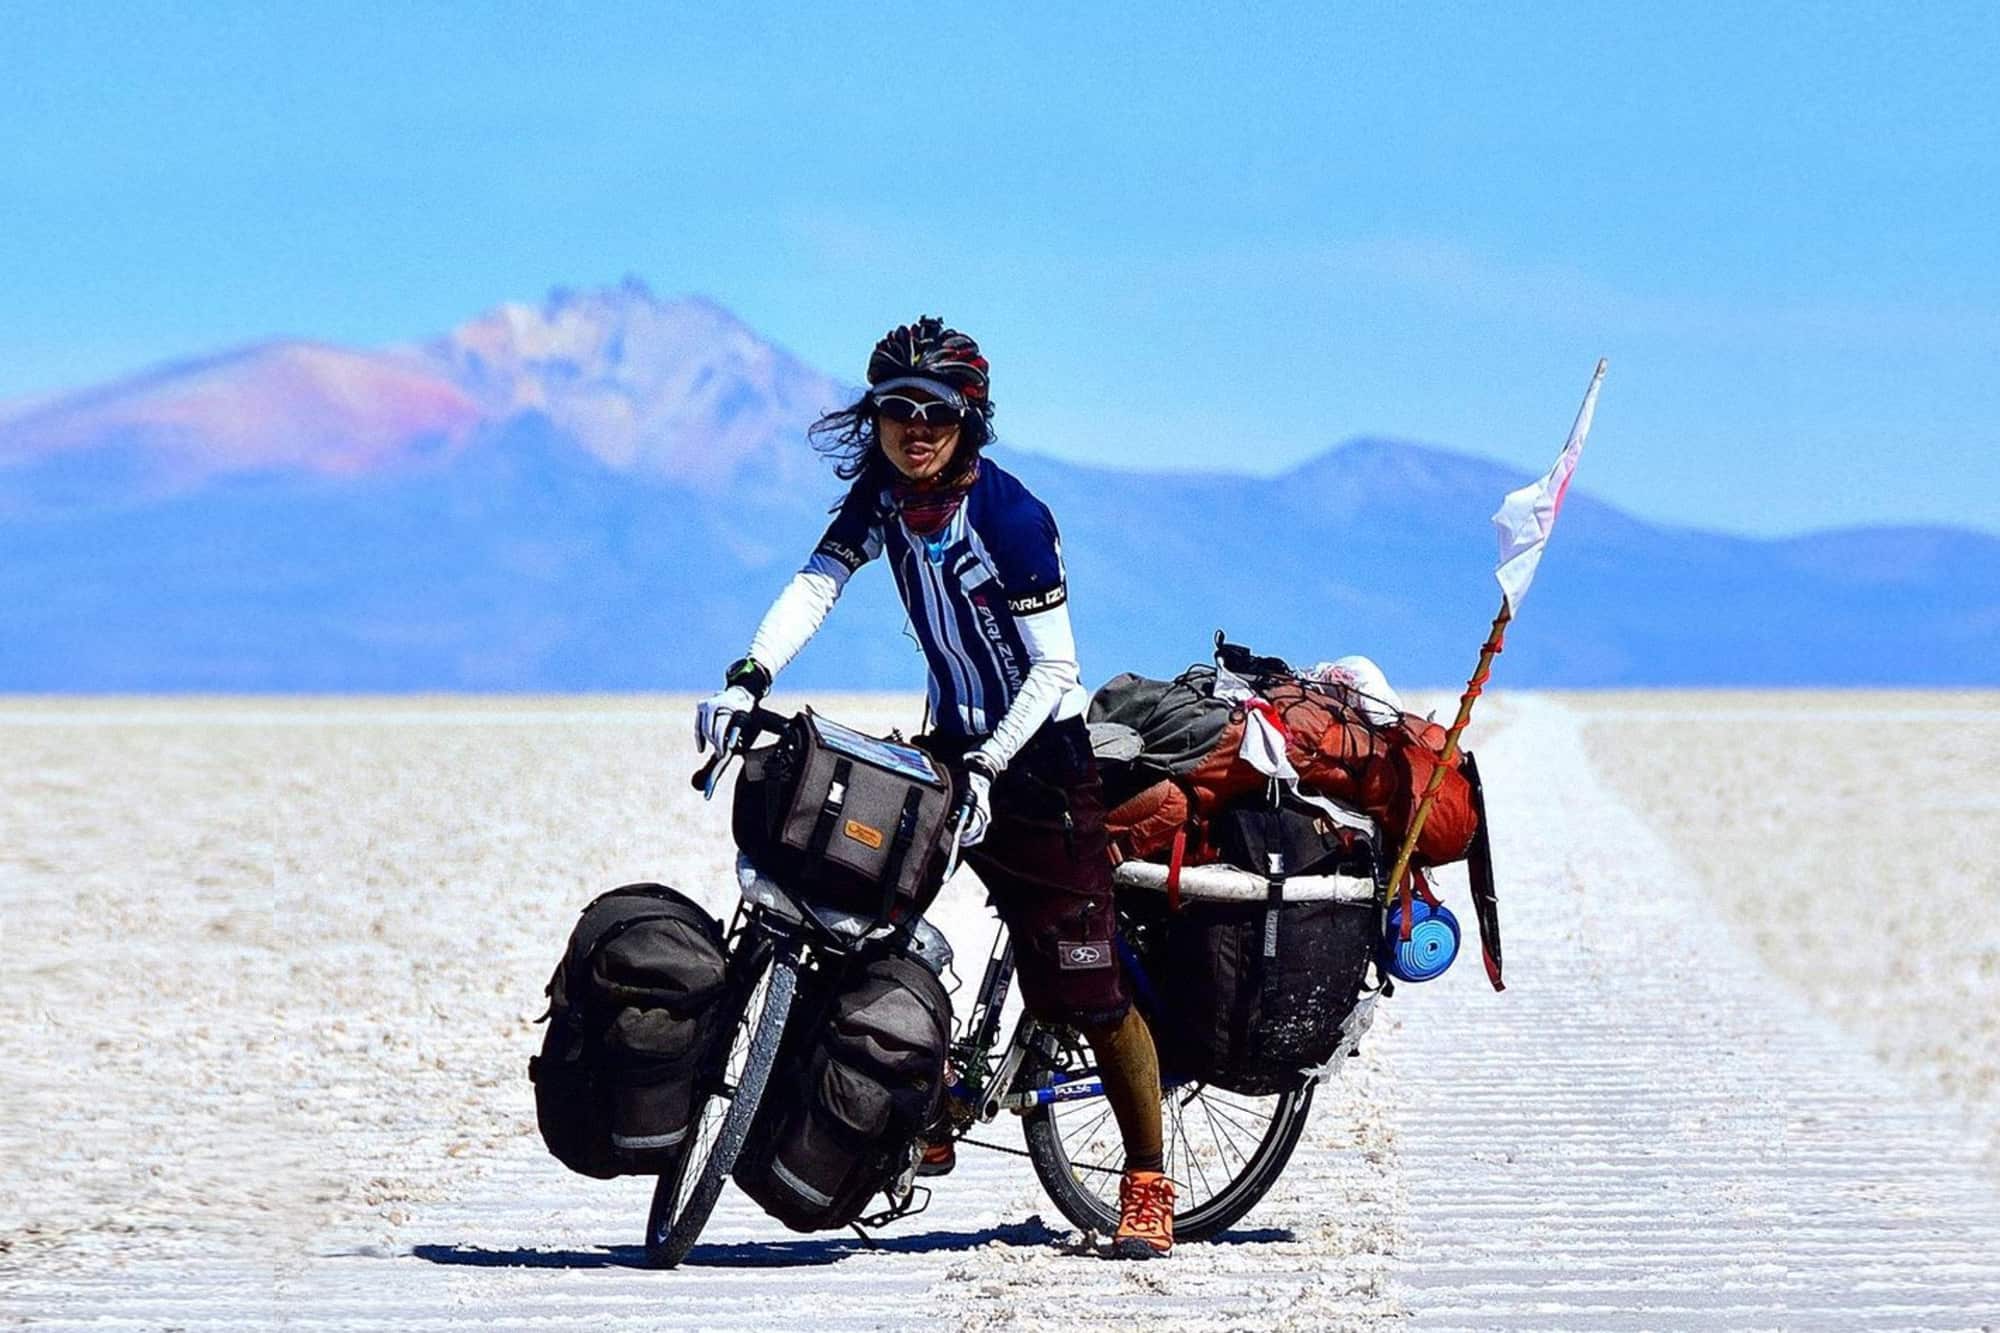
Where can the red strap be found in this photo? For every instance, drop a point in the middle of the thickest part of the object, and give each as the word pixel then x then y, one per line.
pixel 1409 882
pixel 1174 869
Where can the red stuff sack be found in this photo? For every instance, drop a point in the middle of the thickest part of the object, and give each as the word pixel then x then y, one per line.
pixel 1338 751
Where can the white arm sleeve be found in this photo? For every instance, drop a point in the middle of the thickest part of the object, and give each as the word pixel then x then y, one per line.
pixel 1054 685
pixel 798 612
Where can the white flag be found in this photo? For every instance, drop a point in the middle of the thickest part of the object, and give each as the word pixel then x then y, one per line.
pixel 1526 516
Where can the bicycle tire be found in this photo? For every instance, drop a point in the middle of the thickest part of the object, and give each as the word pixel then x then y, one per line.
pixel 1246 1188
pixel 751 954
pixel 669 1237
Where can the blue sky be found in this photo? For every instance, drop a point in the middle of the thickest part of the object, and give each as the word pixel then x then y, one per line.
pixel 1188 236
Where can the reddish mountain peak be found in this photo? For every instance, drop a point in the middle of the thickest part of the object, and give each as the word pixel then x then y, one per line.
pixel 279 405
pixel 672 388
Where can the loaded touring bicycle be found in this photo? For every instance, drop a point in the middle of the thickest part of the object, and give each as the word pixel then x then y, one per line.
pixel 808 1050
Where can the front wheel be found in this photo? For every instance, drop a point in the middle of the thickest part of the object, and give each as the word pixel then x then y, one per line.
pixel 1224 1151
pixel 685 1196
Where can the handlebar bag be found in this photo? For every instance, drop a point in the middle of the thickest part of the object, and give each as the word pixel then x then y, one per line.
pixel 850 1097
pixel 633 1011
pixel 857 822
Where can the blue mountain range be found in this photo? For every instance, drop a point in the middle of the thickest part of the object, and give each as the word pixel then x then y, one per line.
pixel 603 492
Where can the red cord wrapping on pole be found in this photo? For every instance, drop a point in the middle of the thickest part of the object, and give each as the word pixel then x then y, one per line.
pixel 1484 672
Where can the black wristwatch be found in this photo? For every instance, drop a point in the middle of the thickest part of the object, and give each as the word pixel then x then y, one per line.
pixel 751 675
pixel 980 764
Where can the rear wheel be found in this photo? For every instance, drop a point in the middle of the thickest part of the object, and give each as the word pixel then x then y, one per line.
pixel 726 1104
pixel 1224 1151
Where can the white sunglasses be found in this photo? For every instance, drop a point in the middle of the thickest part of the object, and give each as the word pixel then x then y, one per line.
pixel 898 408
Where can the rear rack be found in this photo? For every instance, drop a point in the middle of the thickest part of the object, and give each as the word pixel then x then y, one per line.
pixel 1230 884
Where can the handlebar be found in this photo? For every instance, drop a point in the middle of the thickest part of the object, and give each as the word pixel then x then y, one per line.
pixel 961 811
pixel 743 728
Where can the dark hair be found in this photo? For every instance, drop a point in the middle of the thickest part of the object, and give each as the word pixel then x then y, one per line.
pixel 851 437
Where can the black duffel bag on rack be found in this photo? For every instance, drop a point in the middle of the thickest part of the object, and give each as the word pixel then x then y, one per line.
pixel 847 820
pixel 1307 839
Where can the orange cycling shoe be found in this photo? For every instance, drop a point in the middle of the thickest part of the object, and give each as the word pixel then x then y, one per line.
pixel 1145 1216
pixel 938 1159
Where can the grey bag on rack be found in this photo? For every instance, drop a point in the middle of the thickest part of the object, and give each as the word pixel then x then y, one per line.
pixel 858 820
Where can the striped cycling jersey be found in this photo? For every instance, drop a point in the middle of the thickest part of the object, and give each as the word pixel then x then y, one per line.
pixel 972 591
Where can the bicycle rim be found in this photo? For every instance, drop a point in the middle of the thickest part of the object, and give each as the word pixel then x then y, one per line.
pixel 1223 1151
pixel 684 1197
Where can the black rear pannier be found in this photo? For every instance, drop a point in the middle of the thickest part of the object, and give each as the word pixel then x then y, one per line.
pixel 850 1096
pixel 632 1011
pixel 852 821
pixel 1258 997
pixel 1260 991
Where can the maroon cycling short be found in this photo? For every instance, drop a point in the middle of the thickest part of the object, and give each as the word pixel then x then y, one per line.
pixel 1048 873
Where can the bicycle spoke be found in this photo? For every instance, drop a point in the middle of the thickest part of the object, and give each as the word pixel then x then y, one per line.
pixel 1173 1143
pixel 713 1108
pixel 1223 1098
pixel 1255 1132
pixel 1083 1136
pixel 1193 1157
pixel 1223 1141
pixel 1245 1140
pixel 1090 1155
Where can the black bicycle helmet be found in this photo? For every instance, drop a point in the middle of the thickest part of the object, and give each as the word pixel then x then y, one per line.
pixel 927 353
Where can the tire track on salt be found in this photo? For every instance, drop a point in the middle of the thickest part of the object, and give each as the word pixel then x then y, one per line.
pixel 1646 1130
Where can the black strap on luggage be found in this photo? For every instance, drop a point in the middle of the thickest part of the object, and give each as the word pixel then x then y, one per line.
pixel 1274 901
pixel 829 810
pixel 1479 870
pixel 899 848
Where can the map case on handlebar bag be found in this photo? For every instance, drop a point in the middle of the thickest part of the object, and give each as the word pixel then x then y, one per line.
pixel 857 822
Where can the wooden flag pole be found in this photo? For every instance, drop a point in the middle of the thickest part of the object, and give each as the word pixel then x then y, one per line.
pixel 1525 519
pixel 1473 689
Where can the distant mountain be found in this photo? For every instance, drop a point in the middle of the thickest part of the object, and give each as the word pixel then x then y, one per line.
pixel 603 492
pixel 283 406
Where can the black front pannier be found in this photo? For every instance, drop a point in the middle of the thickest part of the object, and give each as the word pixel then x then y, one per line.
pixel 852 821
pixel 632 1011
pixel 1258 996
pixel 850 1096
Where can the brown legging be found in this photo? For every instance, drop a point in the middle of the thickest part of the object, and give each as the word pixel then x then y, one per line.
pixel 1130 1068
pixel 1047 868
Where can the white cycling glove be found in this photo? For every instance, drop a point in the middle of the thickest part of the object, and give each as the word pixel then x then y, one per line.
pixel 978 808
pixel 712 715
pixel 979 773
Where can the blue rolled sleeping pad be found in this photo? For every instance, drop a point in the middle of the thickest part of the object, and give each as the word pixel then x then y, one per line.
pixel 1432 945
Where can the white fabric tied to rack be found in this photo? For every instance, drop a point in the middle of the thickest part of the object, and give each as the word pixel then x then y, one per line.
pixel 1264 745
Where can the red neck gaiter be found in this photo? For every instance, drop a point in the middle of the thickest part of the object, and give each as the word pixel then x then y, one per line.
pixel 926 509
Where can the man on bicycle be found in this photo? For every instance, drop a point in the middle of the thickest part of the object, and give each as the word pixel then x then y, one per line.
pixel 978 562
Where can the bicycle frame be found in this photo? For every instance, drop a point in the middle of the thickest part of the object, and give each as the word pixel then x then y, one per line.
pixel 987 1083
